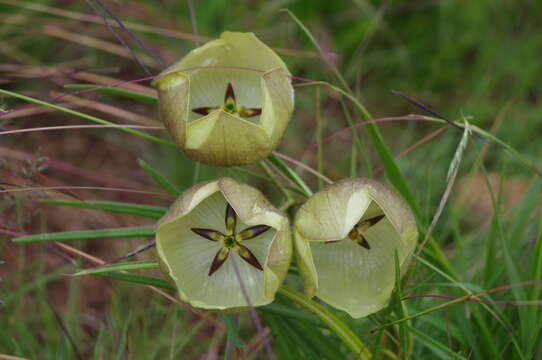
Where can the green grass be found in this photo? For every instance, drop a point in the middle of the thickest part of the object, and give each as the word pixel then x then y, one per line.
pixel 476 61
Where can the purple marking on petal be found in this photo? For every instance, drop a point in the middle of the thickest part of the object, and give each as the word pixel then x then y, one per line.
pixel 230 94
pixel 252 232
pixel 248 256
pixel 203 110
pixel 332 241
pixel 363 242
pixel 219 259
pixel 209 234
pixel 374 220
pixel 250 112
pixel 230 219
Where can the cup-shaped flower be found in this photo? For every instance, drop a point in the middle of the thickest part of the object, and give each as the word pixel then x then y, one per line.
pixel 214 228
pixel 227 102
pixel 346 237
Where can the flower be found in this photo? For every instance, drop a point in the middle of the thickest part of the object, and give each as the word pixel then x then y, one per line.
pixel 346 236
pixel 211 229
pixel 228 102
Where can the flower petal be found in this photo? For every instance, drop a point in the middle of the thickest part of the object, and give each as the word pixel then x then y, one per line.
pixel 236 58
pixel 331 213
pixel 223 139
pixel 254 209
pixel 305 263
pixel 354 279
pixel 173 93
pixel 277 103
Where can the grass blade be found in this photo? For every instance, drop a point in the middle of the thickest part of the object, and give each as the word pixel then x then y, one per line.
pixel 231 329
pixel 432 343
pixel 400 309
pixel 334 324
pixel 113 233
pixel 139 279
pixel 128 265
pixel 152 212
pixel 290 174
pixel 85 116
pixel 283 341
pixel 159 179
pixel 115 91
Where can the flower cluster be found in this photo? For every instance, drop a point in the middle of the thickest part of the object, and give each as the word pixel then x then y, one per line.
pixel 222 243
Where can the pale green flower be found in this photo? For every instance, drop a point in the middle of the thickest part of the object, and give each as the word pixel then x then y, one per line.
pixel 228 102
pixel 346 236
pixel 214 224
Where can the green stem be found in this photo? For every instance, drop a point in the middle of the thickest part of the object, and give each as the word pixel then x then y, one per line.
pixel 337 326
pixel 290 174
pixel 319 149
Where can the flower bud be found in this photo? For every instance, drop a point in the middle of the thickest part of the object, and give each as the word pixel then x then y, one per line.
pixel 346 237
pixel 227 102
pixel 214 228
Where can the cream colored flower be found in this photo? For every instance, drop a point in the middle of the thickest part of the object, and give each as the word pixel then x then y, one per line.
pixel 228 102
pixel 346 236
pixel 211 226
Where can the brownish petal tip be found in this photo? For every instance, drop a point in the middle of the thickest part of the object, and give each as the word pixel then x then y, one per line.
pixel 219 259
pixel 252 232
pixel 249 257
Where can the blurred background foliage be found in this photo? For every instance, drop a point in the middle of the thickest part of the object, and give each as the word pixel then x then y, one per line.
pixel 478 59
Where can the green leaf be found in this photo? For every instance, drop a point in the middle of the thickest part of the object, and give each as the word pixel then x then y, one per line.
pixel 113 233
pixel 115 91
pixel 283 340
pixel 233 334
pixel 308 352
pixel 313 338
pixel 159 179
pixel 434 344
pixel 17 293
pixel 400 309
pixel 152 212
pixel 123 336
pixel 128 265
pixel 291 313
pixel 334 324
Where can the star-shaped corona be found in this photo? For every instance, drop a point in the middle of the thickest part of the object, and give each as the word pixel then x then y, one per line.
pixel 231 241
pixel 230 106
pixel 356 234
